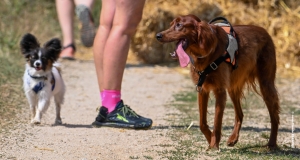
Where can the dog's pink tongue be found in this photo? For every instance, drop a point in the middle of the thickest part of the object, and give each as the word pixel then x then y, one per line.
pixel 184 59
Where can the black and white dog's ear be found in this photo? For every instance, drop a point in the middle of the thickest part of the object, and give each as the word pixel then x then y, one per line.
pixel 28 43
pixel 53 48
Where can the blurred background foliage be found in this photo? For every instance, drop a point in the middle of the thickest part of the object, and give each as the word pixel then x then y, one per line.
pixel 17 17
pixel 281 18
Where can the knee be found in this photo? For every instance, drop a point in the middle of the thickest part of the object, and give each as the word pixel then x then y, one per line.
pixel 130 27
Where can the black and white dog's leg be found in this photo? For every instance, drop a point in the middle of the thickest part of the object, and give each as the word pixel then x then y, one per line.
pixel 42 108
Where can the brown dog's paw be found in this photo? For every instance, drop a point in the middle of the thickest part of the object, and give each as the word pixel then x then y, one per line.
pixel 213 149
pixel 272 147
pixel 231 143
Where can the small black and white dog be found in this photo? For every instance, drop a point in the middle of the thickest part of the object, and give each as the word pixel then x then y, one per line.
pixel 42 78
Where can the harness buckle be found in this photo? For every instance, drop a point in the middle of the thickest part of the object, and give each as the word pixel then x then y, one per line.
pixel 198 89
pixel 213 66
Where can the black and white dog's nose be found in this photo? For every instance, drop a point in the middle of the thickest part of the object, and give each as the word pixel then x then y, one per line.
pixel 159 36
pixel 37 63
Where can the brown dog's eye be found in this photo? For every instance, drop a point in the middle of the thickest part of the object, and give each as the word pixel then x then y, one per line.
pixel 178 25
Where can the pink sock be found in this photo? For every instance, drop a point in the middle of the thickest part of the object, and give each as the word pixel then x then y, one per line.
pixel 110 98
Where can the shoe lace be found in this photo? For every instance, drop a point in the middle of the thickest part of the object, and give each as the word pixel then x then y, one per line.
pixel 128 111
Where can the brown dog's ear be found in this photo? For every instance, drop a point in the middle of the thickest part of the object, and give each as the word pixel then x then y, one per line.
pixel 53 48
pixel 207 39
pixel 28 43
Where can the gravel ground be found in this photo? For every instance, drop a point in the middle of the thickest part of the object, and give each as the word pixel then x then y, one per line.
pixel 147 89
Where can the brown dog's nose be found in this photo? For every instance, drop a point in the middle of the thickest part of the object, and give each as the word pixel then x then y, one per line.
pixel 159 36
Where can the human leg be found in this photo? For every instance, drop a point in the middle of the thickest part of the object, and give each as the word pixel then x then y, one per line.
pixel 65 14
pixel 106 21
pixel 87 29
pixel 110 61
pixel 126 18
pixel 87 3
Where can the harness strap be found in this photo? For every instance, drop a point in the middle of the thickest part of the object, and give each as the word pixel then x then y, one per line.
pixel 231 31
pixel 211 67
pixel 39 86
pixel 226 57
pixel 232 45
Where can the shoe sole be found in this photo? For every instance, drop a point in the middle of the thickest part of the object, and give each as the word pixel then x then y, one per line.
pixel 88 29
pixel 97 124
pixel 68 58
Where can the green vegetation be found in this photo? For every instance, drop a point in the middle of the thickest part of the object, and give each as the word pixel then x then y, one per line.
pixel 18 17
pixel 190 143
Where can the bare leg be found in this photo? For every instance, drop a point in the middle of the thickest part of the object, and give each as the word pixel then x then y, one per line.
pixel 65 11
pixel 87 3
pixel 127 16
pixel 106 21
pixel 115 27
pixel 118 23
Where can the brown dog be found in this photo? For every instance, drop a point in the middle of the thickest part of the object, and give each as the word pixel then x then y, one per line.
pixel 205 44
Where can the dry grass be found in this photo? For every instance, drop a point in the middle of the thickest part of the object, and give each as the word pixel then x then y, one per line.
pixel 16 19
pixel 190 143
pixel 279 17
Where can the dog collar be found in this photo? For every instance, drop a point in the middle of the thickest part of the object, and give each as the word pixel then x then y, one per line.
pixel 37 77
pixel 39 86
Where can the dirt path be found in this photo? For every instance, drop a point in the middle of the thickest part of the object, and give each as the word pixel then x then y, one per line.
pixel 146 88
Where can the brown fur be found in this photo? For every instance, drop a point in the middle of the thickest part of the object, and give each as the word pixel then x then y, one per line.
pixel 256 62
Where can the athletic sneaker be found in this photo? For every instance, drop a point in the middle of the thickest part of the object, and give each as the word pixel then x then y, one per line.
pixel 122 117
pixel 87 31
